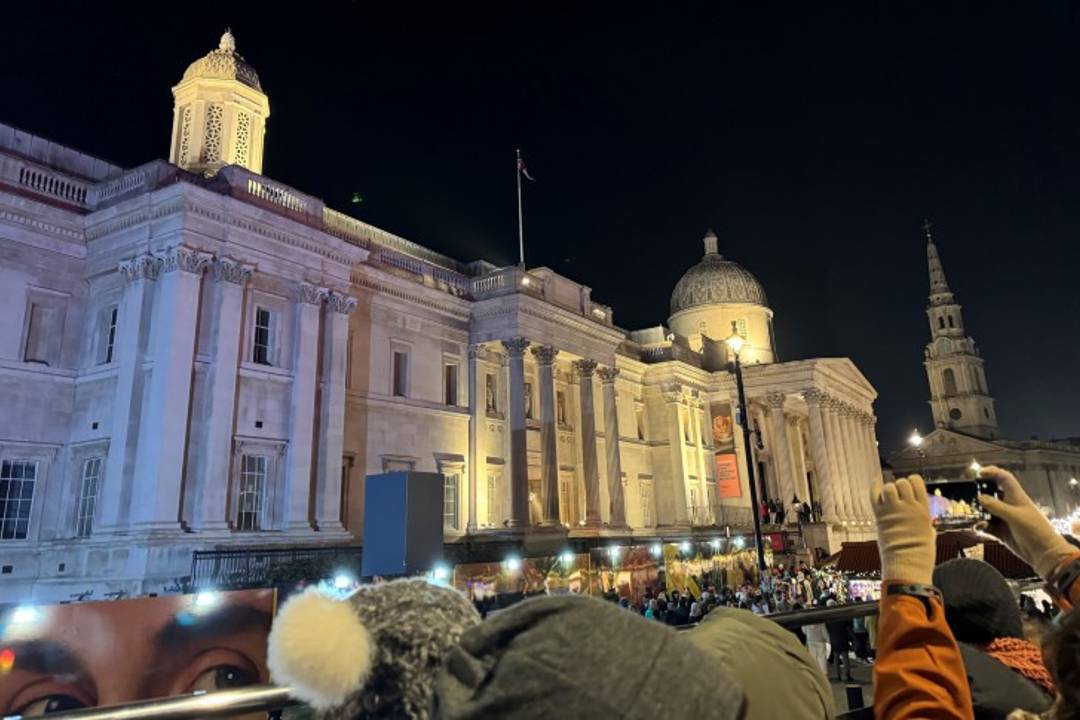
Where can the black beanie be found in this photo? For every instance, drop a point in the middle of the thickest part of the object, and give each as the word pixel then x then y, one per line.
pixel 979 606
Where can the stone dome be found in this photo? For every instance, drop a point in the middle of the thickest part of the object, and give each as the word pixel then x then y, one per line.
pixel 715 280
pixel 224 64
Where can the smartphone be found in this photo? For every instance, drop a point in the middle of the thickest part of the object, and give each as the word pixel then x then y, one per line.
pixel 955 504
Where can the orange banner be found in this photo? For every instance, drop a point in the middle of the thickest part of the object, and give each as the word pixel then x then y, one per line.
pixel 727 476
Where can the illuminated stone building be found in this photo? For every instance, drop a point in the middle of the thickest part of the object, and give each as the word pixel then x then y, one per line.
pixel 197 356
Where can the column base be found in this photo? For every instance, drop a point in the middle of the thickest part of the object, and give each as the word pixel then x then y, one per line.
pixel 298 526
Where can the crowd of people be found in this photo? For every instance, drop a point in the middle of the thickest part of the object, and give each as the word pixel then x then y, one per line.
pixel 948 641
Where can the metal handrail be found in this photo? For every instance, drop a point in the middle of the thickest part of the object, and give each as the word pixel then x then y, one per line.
pixel 258 698
pixel 223 703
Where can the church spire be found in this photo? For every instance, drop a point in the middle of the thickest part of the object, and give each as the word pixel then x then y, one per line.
pixel 939 286
pixel 959 398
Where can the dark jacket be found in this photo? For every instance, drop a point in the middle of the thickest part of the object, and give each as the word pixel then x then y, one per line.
pixel 838 635
pixel 996 690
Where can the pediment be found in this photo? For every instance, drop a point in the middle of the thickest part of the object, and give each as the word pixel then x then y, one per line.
pixel 942 443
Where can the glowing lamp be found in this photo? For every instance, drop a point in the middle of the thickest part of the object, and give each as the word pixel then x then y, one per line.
pixel 916 439
pixel 566 557
pixel 657 550
pixel 734 341
pixel 440 572
pixel 513 563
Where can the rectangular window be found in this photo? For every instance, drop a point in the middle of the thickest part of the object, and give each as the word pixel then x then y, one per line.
pixel 110 333
pixel 400 370
pixel 490 403
pixel 645 496
pixel 17 479
pixel 263 343
pixel 88 494
pixel 450 383
pixel 450 500
pixel 251 492
pixel 43 335
pixel 492 499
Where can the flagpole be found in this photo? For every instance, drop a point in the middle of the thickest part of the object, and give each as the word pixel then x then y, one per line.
pixel 521 227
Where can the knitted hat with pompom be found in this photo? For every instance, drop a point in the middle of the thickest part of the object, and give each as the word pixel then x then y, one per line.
pixel 373 654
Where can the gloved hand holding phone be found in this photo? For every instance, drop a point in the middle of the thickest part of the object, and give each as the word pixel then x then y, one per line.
pixel 1020 526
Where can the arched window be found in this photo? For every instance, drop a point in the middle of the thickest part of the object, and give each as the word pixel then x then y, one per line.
pixel 949 377
pixel 941 322
pixel 950 322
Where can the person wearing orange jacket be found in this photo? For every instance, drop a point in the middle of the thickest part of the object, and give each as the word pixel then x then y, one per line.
pixel 919 671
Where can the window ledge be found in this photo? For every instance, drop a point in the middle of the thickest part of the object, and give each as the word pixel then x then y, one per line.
pixel 250 369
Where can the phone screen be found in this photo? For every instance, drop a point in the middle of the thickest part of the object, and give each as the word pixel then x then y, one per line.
pixel 954 503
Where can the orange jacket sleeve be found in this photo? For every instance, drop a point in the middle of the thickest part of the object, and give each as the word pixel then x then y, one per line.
pixel 918 672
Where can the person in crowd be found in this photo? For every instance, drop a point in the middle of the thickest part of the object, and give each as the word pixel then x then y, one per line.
pixel 839 633
pixel 651 609
pixel 1004 671
pixel 817 644
pixel 919 670
pixel 860 636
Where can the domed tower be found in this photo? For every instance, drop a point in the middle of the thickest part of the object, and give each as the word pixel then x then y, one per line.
pixel 715 293
pixel 219 113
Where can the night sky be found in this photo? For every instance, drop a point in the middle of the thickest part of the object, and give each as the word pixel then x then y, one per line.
pixel 814 142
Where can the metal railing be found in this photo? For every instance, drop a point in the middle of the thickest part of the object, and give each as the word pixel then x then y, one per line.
pixel 270 698
pixel 255 567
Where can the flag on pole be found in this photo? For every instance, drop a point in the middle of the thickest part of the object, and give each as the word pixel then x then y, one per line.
pixel 524 170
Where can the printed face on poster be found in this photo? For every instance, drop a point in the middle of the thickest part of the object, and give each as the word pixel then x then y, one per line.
pixel 55 658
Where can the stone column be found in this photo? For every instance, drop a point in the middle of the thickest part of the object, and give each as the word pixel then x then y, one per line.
pixel 549 459
pixel 163 433
pixel 617 511
pixel 703 510
pixel 519 461
pixel 298 463
pixel 132 322
pixel 798 453
pixel 781 452
pixel 869 460
pixel 585 370
pixel 209 497
pixel 675 403
pixel 836 456
pixel 332 412
pixel 823 467
pixel 871 439
pixel 474 433
pixel 853 455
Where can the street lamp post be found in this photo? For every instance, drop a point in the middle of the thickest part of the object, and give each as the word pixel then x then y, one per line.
pixel 916 441
pixel 735 343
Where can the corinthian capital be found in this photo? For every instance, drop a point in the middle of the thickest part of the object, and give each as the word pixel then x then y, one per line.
pixel 228 270
pixel 340 303
pixel 185 259
pixel 515 347
pixel 310 294
pixel 545 354
pixel 775 400
pixel 813 396
pixel 585 367
pixel 608 374
pixel 141 267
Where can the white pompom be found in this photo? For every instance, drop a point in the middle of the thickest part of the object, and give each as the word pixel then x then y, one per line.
pixel 320 649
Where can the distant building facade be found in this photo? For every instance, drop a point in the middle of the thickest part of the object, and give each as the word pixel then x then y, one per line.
pixel 195 356
pixel 965 421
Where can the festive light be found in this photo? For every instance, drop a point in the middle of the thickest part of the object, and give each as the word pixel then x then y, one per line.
pixel 7 660
pixel 684 546
pixel 657 550
pixel 513 563
pixel 567 557
pixel 440 572
pixel 25 615
pixel 342 581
